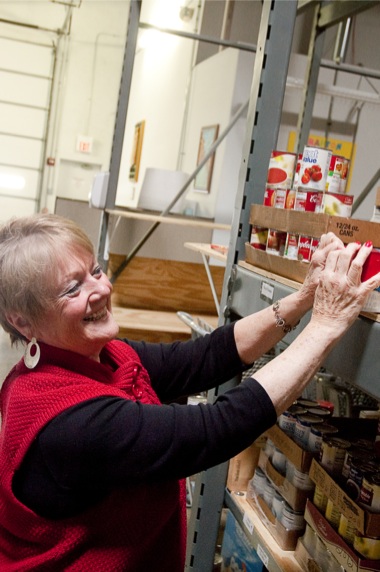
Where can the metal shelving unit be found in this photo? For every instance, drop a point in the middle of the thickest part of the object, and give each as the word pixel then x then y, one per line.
pixel 246 291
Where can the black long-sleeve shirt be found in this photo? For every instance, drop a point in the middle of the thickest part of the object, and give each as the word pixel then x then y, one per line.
pixel 110 442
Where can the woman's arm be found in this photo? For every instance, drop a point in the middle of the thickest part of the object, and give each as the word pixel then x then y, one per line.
pixel 257 333
pixel 339 298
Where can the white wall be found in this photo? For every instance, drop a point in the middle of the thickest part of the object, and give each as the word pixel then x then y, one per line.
pixel 160 83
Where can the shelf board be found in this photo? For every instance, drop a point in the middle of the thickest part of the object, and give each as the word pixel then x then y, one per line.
pixel 273 557
pixel 168 219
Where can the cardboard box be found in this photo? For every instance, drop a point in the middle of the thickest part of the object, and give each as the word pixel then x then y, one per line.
pixel 242 467
pixel 368 523
pixel 315 224
pixel 286 539
pixel 296 498
pixel 292 269
pixel 343 553
pixel 237 553
pixel 300 458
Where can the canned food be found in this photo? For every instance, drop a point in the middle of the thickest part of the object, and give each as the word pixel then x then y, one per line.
pixel 284 198
pixel 304 248
pixel 292 519
pixel 303 426
pixel 258 482
pixel 277 505
pixel 297 409
pixel 268 494
pixel 337 204
pixel 281 168
pixel 333 451
pixel 291 246
pixel 297 171
pixel 370 492
pixel 308 200
pixel 314 245
pixel 320 411
pixel 332 513
pixel 351 454
pixel 314 167
pixel 259 237
pixel 302 481
pixel 286 422
pixel 309 540
pixel 276 242
pixel 306 403
pixel 269 196
pixel 358 470
pixel 367 546
pixel 337 174
pixel 320 499
pixel 346 529
pixel 279 461
pixel 316 435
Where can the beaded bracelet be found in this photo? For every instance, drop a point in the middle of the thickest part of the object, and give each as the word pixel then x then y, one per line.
pixel 280 322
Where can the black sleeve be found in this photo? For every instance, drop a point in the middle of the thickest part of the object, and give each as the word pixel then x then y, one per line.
pixel 112 442
pixel 184 368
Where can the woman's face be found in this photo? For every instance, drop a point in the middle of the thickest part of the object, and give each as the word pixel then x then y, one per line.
pixel 80 320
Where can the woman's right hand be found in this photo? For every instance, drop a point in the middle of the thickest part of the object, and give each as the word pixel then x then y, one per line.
pixel 341 295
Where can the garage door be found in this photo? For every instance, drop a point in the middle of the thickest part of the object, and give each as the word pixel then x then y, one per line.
pixel 26 77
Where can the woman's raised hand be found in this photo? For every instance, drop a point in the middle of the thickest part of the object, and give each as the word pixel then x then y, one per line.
pixel 340 294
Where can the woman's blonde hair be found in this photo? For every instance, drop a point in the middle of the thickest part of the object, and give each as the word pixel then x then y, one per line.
pixel 30 248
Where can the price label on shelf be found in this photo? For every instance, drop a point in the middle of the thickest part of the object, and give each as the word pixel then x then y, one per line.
pixel 261 553
pixel 248 523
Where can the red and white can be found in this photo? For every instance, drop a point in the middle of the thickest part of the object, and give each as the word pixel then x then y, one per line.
pixel 308 200
pixel 314 168
pixel 285 198
pixel 291 246
pixel 276 242
pixel 281 169
pixel 297 171
pixel 337 175
pixel 337 204
pixel 269 196
pixel 304 248
pixel 314 245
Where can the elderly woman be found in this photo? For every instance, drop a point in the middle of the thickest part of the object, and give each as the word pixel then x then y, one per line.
pixel 91 460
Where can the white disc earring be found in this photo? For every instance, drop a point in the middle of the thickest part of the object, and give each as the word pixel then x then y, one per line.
pixel 31 360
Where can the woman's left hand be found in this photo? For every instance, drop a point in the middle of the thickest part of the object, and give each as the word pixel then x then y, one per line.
pixel 328 243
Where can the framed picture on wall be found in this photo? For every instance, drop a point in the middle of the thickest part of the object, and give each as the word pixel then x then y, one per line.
pixel 136 151
pixel 208 137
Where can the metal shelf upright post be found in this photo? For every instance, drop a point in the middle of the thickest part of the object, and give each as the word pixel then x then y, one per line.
pixel 264 114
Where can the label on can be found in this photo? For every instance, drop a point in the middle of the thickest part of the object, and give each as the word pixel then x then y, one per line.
pixel 308 200
pixel 332 513
pixel 314 167
pixel 333 451
pixel 370 492
pixel 337 204
pixel 269 196
pixel 291 246
pixel 314 245
pixel 337 169
pixel 285 198
pixel 281 169
pixel 276 242
pixel 304 248
pixel 259 237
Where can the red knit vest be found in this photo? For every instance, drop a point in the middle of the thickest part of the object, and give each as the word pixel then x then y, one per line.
pixel 140 528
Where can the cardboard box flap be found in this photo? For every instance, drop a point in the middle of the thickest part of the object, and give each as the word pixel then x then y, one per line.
pixel 368 523
pixel 299 457
pixel 315 224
